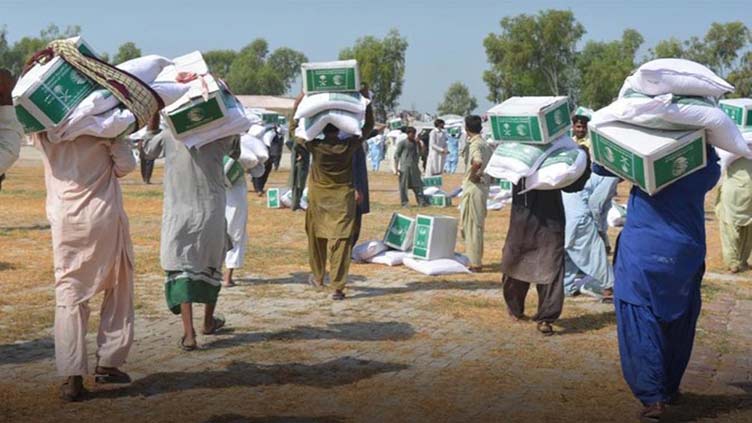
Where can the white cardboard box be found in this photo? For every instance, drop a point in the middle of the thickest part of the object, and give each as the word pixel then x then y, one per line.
pixel 538 120
pixel 341 75
pixel 435 237
pixel 739 110
pixel 399 233
pixel 652 159
pixel 48 93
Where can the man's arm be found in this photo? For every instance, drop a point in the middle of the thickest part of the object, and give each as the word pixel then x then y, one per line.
pixel 11 133
pixel 153 141
pixel 294 123
pixel 370 121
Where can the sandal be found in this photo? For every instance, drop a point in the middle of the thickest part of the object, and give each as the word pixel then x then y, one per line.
pixel 185 347
pixel 545 328
pixel 72 390
pixel 338 295
pixel 217 324
pixel 110 375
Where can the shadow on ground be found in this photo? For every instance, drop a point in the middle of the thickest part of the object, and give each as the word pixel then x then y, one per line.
pixel 342 371
pixel 27 352
pixel 433 285
pixel 235 418
pixel 354 331
pixel 698 406
pixel 587 322
pixel 296 278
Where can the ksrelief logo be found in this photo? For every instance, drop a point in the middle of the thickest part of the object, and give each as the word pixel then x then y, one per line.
pixel 521 130
pixel 558 117
pixel 337 79
pixel 680 166
pixel 507 129
pixel 322 80
pixel 196 115
pixel 608 153
pixel 77 78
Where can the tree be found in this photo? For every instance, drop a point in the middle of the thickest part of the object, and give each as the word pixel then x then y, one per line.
pixel 252 71
pixel 14 58
pixel 126 51
pixel 219 61
pixel 533 55
pixel 603 66
pixel 382 67
pixel 457 101
pixel 741 78
pixel 720 48
pixel 286 63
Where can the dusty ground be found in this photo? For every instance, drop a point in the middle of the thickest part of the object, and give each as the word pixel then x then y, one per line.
pixel 403 347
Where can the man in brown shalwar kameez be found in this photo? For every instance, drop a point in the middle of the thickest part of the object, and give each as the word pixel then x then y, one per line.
pixel 332 198
pixel 534 252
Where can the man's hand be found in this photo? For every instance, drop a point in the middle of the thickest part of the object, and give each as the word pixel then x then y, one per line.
pixel 7 82
pixel 364 90
pixel 2 178
pixel 358 197
pixel 154 122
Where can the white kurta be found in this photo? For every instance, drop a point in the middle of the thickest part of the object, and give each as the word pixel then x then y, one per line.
pixel 236 214
pixel 11 135
pixel 437 144
pixel 91 244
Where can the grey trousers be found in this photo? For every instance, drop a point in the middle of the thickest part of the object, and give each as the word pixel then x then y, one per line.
pixel 550 297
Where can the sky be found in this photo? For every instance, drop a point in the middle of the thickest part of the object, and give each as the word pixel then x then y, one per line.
pixel 445 37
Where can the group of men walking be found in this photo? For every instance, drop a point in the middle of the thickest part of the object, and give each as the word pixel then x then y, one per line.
pixel 556 239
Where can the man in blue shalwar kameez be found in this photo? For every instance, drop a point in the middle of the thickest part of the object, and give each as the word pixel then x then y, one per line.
pixel 659 265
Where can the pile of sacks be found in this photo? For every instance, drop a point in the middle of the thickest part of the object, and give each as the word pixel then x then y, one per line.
pixel 101 114
pixel 344 109
pixel 677 94
pixel 544 166
pixel 377 252
pixel 499 195
pixel 254 144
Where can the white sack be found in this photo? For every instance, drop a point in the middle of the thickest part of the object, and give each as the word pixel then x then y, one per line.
pixel 248 158
pixel 170 92
pixel 513 161
pixel 145 68
pixel 390 258
pixel 256 146
pixel 435 267
pixel 677 76
pixel 257 130
pixel 314 104
pixel 110 124
pixel 368 249
pixel 269 137
pixel 617 215
pixel 236 124
pixel 728 158
pixel 669 112
pixel 257 171
pixel 558 171
pixel 431 190
pixel 311 128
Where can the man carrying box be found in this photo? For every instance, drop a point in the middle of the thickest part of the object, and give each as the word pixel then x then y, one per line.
pixel 734 211
pixel 475 192
pixel 92 253
pixel 192 244
pixel 332 199
pixel 11 132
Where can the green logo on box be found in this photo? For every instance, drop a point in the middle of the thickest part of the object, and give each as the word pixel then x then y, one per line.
pixel 557 119
pixel 342 79
pixel 272 198
pixel 516 128
pixel 679 163
pixel 397 231
pixel 196 114
pixel 61 91
pixel 618 160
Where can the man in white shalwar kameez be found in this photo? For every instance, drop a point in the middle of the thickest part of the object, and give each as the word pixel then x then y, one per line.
pixel 92 253
pixel 236 214
pixel 437 149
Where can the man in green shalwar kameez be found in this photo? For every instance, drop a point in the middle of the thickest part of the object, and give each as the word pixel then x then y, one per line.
pixel 330 217
pixel 475 187
pixel 734 212
pixel 406 162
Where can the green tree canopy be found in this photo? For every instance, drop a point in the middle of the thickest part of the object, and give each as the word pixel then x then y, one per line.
pixel 14 58
pixel 126 51
pixel 219 61
pixel 382 66
pixel 253 70
pixel 457 101
pixel 533 55
pixel 603 66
